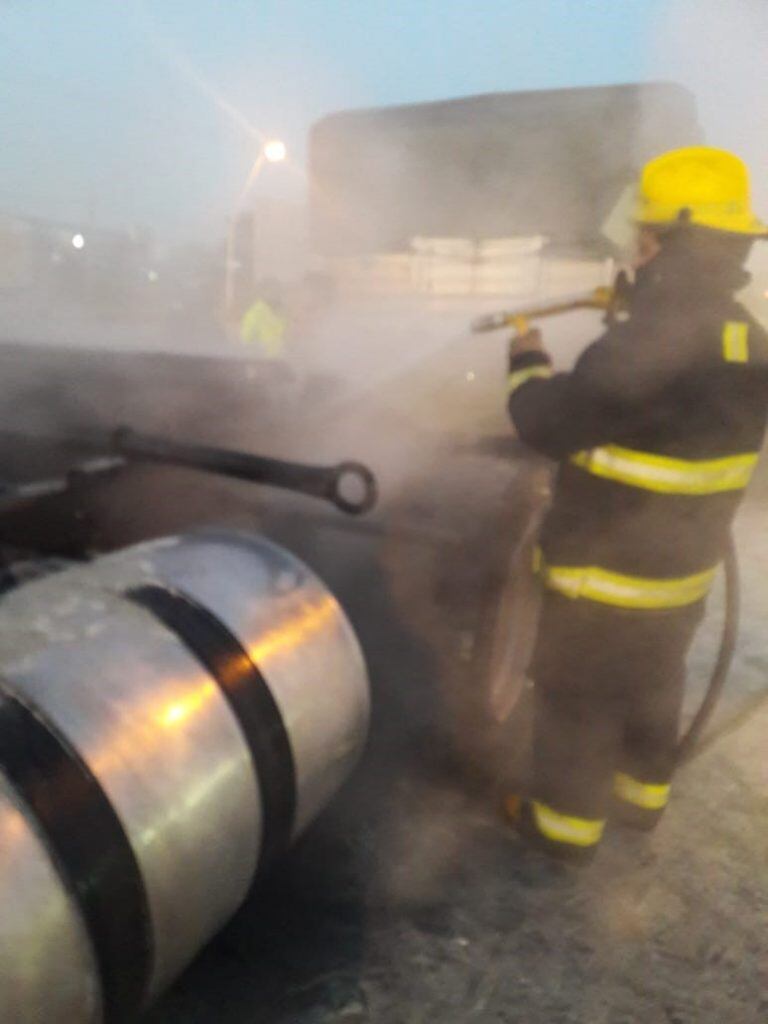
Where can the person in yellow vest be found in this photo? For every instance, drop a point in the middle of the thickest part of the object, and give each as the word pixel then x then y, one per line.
pixel 264 324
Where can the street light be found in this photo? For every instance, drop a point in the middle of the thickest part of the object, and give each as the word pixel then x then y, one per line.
pixel 274 151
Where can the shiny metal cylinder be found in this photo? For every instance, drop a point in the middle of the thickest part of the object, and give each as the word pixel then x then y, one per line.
pixel 210 692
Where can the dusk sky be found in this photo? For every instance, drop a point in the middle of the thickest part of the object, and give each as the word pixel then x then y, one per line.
pixel 129 112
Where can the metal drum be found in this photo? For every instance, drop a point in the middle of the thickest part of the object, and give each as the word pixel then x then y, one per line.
pixel 171 717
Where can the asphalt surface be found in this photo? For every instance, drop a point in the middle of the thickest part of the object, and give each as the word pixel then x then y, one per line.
pixel 409 900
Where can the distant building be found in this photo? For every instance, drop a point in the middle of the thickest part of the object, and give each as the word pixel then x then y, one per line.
pixel 15 254
pixel 74 262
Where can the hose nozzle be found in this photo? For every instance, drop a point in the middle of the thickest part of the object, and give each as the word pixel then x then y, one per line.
pixel 598 298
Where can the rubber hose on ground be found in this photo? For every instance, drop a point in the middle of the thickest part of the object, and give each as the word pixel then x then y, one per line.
pixel 691 738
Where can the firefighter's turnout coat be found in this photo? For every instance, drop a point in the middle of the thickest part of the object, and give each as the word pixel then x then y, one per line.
pixel 656 431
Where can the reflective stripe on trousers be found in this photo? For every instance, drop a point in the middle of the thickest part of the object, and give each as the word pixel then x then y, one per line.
pixel 564 828
pixel 649 796
pixel 667 475
pixel 613 588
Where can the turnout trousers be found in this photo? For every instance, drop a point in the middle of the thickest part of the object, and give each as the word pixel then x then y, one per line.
pixel 608 693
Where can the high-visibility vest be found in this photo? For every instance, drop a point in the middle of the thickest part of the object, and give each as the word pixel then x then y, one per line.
pixel 262 326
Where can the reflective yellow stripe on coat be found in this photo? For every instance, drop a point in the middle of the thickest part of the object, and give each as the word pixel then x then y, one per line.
pixel 666 475
pixel 735 342
pixel 563 828
pixel 520 377
pixel 649 796
pixel 622 591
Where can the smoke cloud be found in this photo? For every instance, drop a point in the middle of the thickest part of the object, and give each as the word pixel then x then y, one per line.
pixel 720 51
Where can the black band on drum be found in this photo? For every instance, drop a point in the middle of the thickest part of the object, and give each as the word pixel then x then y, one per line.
pixel 89 847
pixel 249 697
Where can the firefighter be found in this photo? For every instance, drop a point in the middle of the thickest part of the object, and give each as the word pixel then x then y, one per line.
pixel 656 431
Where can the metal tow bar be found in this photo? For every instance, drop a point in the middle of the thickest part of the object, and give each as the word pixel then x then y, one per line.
pixel 350 486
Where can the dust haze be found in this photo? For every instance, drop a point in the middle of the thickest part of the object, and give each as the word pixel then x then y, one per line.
pixel 139 221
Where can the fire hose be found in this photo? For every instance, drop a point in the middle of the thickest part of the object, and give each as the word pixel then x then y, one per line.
pixel 609 300
pixel 518 319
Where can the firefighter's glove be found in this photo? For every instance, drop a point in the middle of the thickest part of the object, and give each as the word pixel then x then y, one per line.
pixel 521 344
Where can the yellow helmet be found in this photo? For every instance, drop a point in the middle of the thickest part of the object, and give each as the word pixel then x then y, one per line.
pixel 708 186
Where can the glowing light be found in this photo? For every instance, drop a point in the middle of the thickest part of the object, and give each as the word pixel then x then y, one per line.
pixel 275 151
pixel 78 242
pixel 470 375
pixel 148 729
pixel 180 710
pixel 297 630
pixel 12 829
